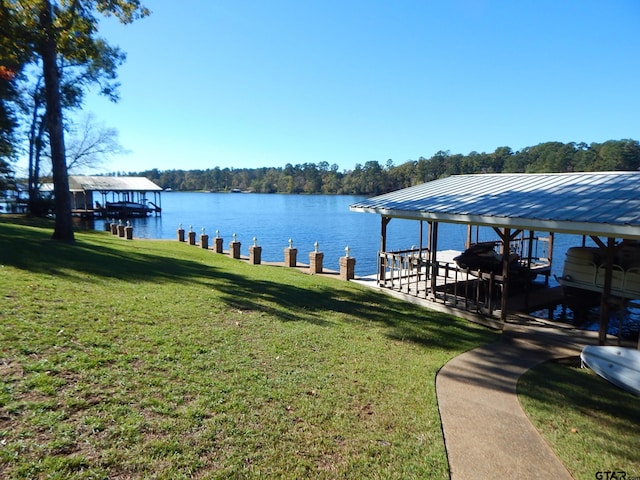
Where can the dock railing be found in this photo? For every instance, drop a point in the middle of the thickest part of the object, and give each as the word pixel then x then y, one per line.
pixel 413 273
pixel 534 253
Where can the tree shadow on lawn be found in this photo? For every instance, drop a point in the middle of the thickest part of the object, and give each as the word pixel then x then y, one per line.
pixel 351 303
pixel 36 252
pixel 295 296
pixel 562 382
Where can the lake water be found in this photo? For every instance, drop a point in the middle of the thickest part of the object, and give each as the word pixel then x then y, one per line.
pixel 274 219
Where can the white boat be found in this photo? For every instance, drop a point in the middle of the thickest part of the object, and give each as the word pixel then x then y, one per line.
pixel 618 365
pixel 584 269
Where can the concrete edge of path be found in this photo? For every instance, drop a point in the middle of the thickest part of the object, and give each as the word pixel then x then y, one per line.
pixel 486 432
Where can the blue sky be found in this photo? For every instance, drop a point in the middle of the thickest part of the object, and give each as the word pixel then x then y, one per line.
pixel 264 83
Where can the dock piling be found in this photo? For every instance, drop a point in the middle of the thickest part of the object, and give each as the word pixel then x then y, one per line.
pixel 290 255
pixel 234 247
pixel 347 266
pixel 128 231
pixel 315 260
pixel 255 252
pixel 204 240
pixel 218 242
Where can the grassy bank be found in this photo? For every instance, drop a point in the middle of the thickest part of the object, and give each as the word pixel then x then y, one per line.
pixel 153 359
pixel 591 425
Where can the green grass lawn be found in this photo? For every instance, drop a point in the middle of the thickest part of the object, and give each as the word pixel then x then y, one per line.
pixel 592 425
pixel 152 359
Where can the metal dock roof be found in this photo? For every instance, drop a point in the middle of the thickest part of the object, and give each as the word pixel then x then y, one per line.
pixel 80 183
pixel 591 203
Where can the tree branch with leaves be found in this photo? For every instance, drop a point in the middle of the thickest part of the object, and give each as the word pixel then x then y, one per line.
pixel 62 36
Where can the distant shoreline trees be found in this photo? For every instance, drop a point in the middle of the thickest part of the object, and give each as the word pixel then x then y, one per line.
pixel 374 178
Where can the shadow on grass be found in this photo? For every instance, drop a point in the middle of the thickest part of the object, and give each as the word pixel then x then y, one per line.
pixel 406 322
pixel 563 384
pixel 32 249
pixel 288 295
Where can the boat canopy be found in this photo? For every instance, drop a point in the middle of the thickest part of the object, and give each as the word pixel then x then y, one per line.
pixel 80 183
pixel 587 203
pixel 594 204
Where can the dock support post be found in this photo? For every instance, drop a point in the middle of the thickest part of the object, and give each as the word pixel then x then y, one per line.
pixel 192 236
pixel 120 229
pixel 315 260
pixel 382 265
pixel 606 292
pixel 433 259
pixel 180 233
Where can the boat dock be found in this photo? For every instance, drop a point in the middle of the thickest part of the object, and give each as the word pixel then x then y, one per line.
pixel 114 197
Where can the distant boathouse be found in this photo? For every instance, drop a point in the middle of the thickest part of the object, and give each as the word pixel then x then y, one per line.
pixel 102 196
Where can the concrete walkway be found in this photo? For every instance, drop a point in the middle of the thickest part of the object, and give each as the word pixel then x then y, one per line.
pixel 487 434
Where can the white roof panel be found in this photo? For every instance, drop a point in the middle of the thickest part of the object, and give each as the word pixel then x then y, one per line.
pixel 112 184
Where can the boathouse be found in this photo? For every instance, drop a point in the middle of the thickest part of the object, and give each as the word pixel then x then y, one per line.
pixel 522 210
pixel 113 196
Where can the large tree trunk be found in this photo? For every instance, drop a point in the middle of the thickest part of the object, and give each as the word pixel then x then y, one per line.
pixel 63 230
pixel 36 132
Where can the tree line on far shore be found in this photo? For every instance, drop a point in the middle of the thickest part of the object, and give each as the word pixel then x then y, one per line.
pixel 374 178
